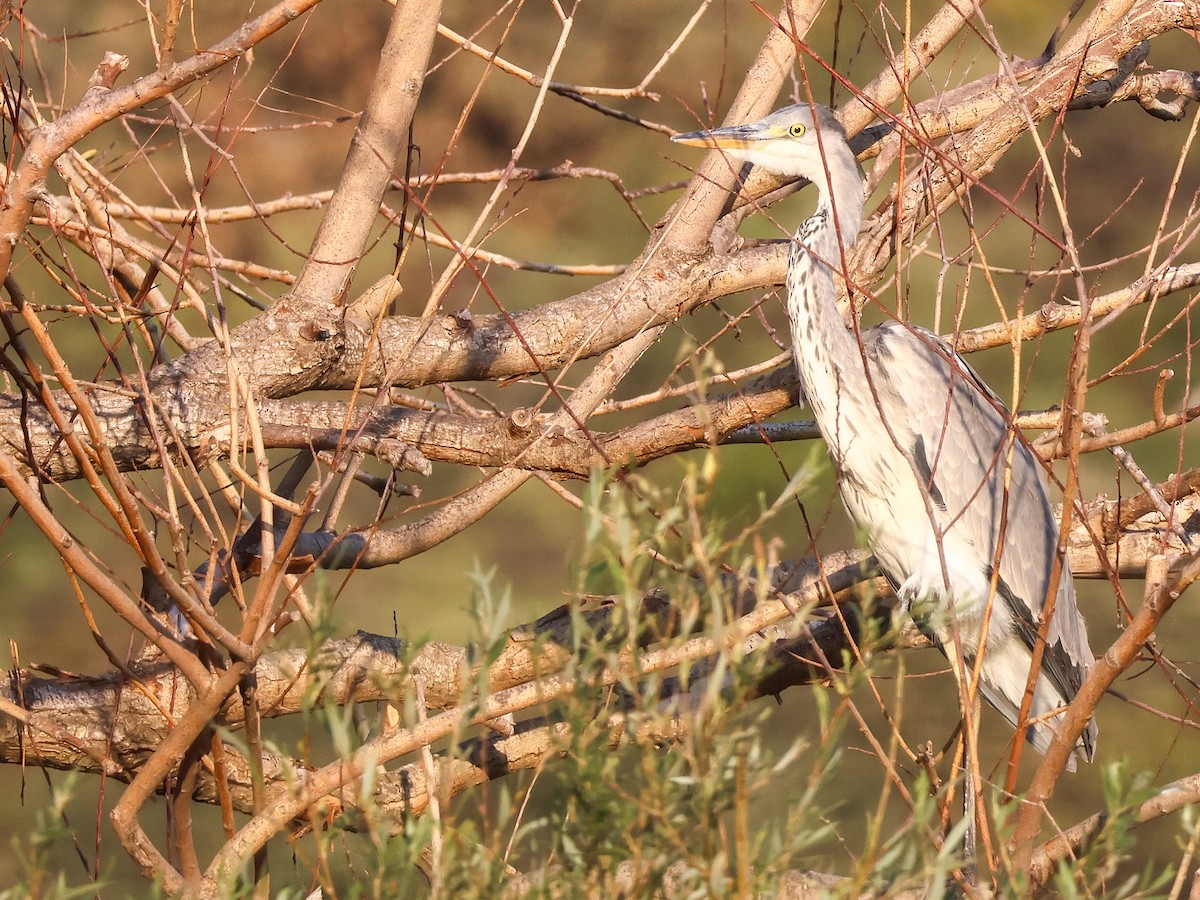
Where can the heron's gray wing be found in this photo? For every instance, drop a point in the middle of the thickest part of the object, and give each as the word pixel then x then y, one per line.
pixel 957 433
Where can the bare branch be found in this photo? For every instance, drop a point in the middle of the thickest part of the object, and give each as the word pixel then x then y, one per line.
pixel 104 103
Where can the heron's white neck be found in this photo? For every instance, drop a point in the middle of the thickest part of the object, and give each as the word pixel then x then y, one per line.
pixel 827 354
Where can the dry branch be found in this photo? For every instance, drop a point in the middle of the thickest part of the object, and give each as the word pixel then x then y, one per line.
pixel 372 668
pixel 103 102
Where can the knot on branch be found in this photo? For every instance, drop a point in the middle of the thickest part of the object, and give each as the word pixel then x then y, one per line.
pixel 1163 94
pixel 520 422
pixel 403 457
pixel 1181 87
pixel 316 330
pixel 1052 315
pixel 106 74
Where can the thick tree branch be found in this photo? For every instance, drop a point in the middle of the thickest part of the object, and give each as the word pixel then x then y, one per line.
pixel 371 668
pixel 513 440
pixel 381 133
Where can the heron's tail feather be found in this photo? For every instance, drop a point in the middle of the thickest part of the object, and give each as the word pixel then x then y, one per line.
pixel 1002 682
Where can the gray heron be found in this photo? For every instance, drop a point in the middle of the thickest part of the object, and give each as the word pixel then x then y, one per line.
pixel 929 466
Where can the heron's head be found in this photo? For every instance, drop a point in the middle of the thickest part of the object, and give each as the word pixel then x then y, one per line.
pixel 785 142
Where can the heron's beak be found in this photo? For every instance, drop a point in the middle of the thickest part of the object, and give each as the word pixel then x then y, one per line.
pixel 736 137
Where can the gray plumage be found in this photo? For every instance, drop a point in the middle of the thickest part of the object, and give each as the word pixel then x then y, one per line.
pixel 922 447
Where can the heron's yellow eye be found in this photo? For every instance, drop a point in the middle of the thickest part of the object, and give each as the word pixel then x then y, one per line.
pixel 797 130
